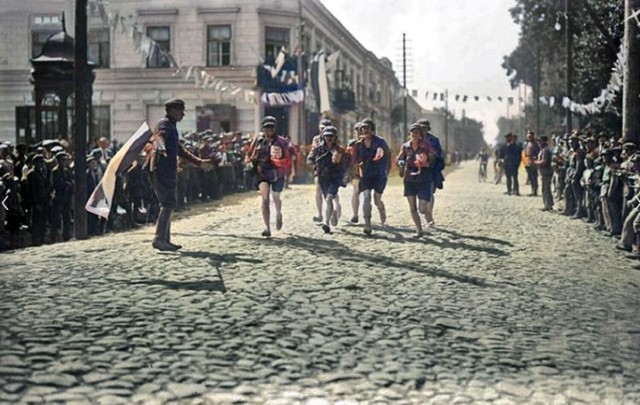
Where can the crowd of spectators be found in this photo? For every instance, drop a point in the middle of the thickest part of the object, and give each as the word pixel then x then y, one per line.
pixel 593 177
pixel 37 185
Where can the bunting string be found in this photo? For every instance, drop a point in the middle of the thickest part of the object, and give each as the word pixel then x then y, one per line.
pixel 150 49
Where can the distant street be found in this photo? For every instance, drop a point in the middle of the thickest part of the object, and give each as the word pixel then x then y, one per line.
pixel 500 303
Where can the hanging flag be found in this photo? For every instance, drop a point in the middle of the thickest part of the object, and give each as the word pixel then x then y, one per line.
pixel 566 102
pixel 441 96
pixel 414 93
pixel 510 100
pixel 552 101
pixel 435 96
pixel 489 98
pixel 101 199
pixel 464 98
pixel 426 94
pixel 457 97
pixel 543 100
pixel 500 99
pixel 476 97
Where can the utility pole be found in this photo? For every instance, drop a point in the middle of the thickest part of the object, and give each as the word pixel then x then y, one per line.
pixel 568 31
pixel 81 91
pixel 446 121
pixel 631 87
pixel 537 91
pixel 404 83
pixel 300 72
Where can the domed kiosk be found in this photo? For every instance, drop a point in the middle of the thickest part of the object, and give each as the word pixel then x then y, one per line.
pixel 52 76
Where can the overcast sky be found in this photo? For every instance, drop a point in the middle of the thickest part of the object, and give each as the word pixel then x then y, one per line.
pixel 455 44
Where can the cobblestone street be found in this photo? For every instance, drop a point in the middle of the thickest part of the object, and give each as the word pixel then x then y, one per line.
pixel 500 303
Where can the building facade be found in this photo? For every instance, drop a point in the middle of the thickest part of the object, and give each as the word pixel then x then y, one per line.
pixel 227 39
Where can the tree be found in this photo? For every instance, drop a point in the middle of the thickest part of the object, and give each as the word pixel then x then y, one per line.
pixel 597 31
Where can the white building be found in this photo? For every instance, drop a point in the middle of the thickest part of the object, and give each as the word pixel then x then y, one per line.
pixel 227 39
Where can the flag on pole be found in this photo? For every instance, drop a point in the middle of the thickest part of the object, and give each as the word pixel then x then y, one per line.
pixel 101 199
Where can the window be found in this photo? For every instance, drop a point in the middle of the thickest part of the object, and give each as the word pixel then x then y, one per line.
pixel 218 45
pixel 101 125
pixel 274 39
pixel 42 27
pixel 99 47
pixel 157 57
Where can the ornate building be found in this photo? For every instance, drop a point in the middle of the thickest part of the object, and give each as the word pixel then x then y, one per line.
pixel 226 39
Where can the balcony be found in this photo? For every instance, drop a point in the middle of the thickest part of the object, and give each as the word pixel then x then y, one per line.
pixel 343 100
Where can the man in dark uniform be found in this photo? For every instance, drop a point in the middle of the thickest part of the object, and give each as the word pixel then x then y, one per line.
pixel 62 184
pixel 167 148
pixel 40 192
pixel 543 163
pixel 512 158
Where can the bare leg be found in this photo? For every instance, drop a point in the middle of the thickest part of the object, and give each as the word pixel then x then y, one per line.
pixel 413 208
pixel 355 199
pixel 428 213
pixel 277 202
pixel 265 189
pixel 337 210
pixel 366 211
pixel 423 204
pixel 377 199
pixel 328 213
pixel 319 199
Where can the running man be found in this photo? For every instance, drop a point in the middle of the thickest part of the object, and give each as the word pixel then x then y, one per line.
pixel 415 156
pixel 373 160
pixel 329 158
pixel 354 175
pixel 317 141
pixel 270 155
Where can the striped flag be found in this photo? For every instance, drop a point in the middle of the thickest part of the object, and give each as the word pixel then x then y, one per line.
pixel 101 199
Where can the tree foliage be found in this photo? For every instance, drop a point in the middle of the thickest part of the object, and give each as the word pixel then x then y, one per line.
pixel 597 29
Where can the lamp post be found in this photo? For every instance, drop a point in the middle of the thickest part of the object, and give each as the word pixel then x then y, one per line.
pixel 569 50
pixel 80 137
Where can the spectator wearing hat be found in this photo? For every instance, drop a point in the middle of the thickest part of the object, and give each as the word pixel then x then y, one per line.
pixel 167 148
pixel 532 150
pixel 6 160
pixel 626 173
pixel 316 142
pixel 574 178
pixel 543 164
pixel 415 156
pixel 209 181
pixel 330 161
pixel 39 189
pixel 372 157
pixel 512 159
pixel 14 215
pixel 612 192
pixel 270 155
pixel 631 226
pixel 62 186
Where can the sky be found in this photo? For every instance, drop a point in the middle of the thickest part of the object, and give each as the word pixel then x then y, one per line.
pixel 454 45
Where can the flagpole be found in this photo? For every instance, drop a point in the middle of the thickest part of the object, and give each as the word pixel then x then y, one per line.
pixel 301 104
pixel 446 121
pixel 404 82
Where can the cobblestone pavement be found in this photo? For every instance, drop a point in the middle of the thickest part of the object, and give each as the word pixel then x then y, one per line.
pixel 499 304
